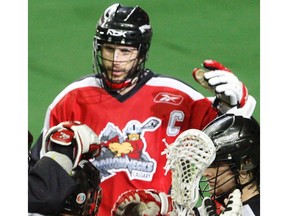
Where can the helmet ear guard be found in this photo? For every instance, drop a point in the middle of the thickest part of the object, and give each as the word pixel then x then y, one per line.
pixel 247 164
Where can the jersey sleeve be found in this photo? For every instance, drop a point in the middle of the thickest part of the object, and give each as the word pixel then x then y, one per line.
pixel 202 112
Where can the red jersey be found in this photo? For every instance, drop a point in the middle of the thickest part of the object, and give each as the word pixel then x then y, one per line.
pixel 159 108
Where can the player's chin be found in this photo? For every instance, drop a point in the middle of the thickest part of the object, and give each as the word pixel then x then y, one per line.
pixel 118 79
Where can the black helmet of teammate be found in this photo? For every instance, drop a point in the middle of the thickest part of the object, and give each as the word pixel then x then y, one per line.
pixel 237 140
pixel 123 26
pixel 86 198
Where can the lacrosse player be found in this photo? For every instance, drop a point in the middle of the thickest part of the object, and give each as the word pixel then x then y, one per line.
pixel 63 180
pixel 237 163
pixel 122 92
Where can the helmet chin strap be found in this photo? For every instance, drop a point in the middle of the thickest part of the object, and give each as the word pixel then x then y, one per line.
pixel 117 86
pixel 120 86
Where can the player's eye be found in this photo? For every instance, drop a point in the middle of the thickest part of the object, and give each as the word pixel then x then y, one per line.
pixel 109 49
pixel 127 51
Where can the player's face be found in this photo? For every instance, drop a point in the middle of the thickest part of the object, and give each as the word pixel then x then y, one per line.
pixel 118 60
pixel 221 178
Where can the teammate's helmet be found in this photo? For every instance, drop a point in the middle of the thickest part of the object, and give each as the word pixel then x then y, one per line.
pixel 86 198
pixel 123 26
pixel 237 140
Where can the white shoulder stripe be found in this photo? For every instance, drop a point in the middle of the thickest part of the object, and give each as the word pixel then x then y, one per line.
pixel 85 82
pixel 176 84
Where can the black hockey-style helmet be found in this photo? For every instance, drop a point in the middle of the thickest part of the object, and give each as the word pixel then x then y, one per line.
pixel 236 139
pixel 86 198
pixel 237 142
pixel 126 26
pixel 123 25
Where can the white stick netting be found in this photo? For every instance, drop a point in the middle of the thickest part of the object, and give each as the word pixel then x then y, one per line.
pixel 187 158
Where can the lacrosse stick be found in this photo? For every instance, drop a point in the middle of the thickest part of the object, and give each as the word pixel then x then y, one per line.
pixel 187 158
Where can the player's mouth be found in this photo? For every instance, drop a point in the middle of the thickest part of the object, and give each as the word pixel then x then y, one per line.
pixel 117 73
pixel 212 183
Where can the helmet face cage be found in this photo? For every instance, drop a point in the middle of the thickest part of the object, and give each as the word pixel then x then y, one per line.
pixel 86 198
pixel 99 68
pixel 128 26
pixel 206 190
pixel 237 140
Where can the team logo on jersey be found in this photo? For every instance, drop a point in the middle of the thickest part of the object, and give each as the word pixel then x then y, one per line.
pixel 164 97
pixel 125 150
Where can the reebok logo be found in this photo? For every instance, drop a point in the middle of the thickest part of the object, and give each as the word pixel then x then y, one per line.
pixel 164 97
pixel 116 33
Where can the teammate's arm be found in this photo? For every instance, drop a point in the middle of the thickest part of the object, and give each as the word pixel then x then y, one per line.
pixel 50 181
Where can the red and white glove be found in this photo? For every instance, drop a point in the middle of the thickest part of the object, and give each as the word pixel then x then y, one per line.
pixel 72 138
pixel 222 82
pixel 141 202
pixel 233 206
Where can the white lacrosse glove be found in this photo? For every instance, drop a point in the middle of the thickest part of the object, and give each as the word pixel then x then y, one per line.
pixel 245 111
pixel 223 83
pixel 141 202
pixel 233 206
pixel 207 208
pixel 73 140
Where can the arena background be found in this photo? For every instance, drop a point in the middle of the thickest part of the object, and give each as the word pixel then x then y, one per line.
pixel 60 36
